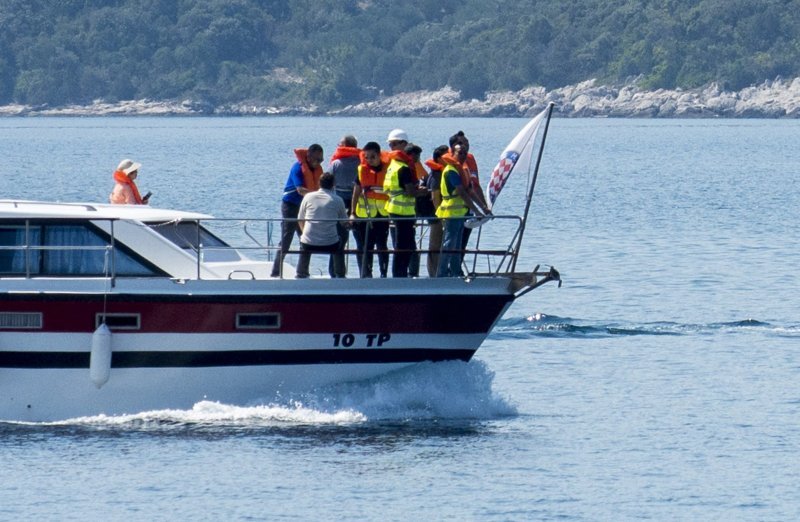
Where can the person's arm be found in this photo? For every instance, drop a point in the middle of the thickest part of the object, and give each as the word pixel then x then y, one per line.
pixel 464 194
pixel 436 196
pixel 409 183
pixel 477 194
pixel 436 189
pixel 357 194
pixel 296 175
pixel 335 166
pixel 410 189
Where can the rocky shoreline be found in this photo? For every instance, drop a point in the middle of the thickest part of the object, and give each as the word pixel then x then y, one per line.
pixel 778 98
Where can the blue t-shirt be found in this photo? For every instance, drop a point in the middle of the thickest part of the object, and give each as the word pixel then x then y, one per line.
pixel 290 194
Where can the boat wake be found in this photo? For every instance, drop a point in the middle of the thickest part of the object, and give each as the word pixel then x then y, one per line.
pixel 447 391
pixel 541 325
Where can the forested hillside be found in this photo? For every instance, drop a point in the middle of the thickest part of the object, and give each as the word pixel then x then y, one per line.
pixel 333 52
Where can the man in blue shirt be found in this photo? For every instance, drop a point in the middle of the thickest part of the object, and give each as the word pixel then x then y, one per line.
pixel 303 178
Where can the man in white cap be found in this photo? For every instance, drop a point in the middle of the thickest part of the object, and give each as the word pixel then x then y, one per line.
pixel 400 185
pixel 397 139
pixel 125 191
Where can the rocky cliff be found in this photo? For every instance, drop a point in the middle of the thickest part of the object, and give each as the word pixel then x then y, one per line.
pixel 772 99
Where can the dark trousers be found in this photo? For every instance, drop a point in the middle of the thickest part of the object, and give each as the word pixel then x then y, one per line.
pixel 337 258
pixel 370 236
pixel 465 239
pixel 288 230
pixel 344 234
pixel 405 245
pixel 413 263
pixel 434 246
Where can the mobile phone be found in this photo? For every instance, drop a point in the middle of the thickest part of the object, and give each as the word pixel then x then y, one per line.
pixel 149 193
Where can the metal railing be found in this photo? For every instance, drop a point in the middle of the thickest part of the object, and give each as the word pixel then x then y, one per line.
pixel 490 250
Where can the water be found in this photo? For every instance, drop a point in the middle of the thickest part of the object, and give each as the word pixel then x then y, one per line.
pixel 661 381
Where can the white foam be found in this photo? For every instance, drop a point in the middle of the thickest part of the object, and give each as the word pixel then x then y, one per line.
pixel 447 390
pixel 209 412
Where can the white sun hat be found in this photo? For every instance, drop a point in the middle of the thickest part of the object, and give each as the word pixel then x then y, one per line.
pixel 127 166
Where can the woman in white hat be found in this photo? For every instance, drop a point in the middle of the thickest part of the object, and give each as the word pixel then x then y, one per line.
pixel 125 190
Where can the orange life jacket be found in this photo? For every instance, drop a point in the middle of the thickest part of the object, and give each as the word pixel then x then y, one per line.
pixel 466 177
pixel 121 177
pixel 471 164
pixel 372 180
pixel 472 167
pixel 434 165
pixel 310 177
pixel 345 152
pixel 373 200
pixel 417 170
pixel 452 204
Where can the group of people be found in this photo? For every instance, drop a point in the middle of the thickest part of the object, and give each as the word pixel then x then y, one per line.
pixel 367 189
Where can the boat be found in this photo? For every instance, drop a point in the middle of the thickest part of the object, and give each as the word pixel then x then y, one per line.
pixel 113 309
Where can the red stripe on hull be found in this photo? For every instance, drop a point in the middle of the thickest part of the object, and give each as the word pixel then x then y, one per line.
pixel 305 314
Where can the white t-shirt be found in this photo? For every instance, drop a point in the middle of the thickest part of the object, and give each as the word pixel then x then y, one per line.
pixel 321 204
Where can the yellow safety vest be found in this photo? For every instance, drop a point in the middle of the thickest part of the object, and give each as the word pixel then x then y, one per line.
pixel 400 203
pixel 452 204
pixel 372 201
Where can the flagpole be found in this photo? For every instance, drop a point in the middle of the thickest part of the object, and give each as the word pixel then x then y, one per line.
pixel 530 189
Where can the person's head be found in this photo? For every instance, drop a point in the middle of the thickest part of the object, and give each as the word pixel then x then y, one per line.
pixel 348 141
pixel 459 151
pixel 413 150
pixel 397 139
pixel 314 156
pixel 129 167
pixel 372 154
pixel 459 138
pixel 326 181
pixel 440 151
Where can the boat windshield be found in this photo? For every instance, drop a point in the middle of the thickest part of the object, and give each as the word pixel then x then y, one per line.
pixel 191 236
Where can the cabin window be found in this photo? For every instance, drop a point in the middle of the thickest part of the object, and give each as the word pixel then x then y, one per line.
pixel 58 248
pixel 258 321
pixel 21 320
pixel 188 234
pixel 119 321
pixel 14 257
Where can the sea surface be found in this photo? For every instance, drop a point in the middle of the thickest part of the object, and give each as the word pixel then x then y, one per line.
pixel 662 381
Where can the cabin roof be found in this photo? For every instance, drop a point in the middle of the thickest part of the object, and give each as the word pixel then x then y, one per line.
pixel 41 209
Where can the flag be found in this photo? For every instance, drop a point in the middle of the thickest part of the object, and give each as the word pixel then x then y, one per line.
pixel 518 154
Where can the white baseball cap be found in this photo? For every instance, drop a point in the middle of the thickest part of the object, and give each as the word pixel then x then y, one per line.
pixel 397 135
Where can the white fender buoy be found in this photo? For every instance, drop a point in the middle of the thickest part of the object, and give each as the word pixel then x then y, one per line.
pixel 100 358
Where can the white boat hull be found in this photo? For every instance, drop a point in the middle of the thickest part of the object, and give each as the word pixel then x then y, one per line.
pixel 58 394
